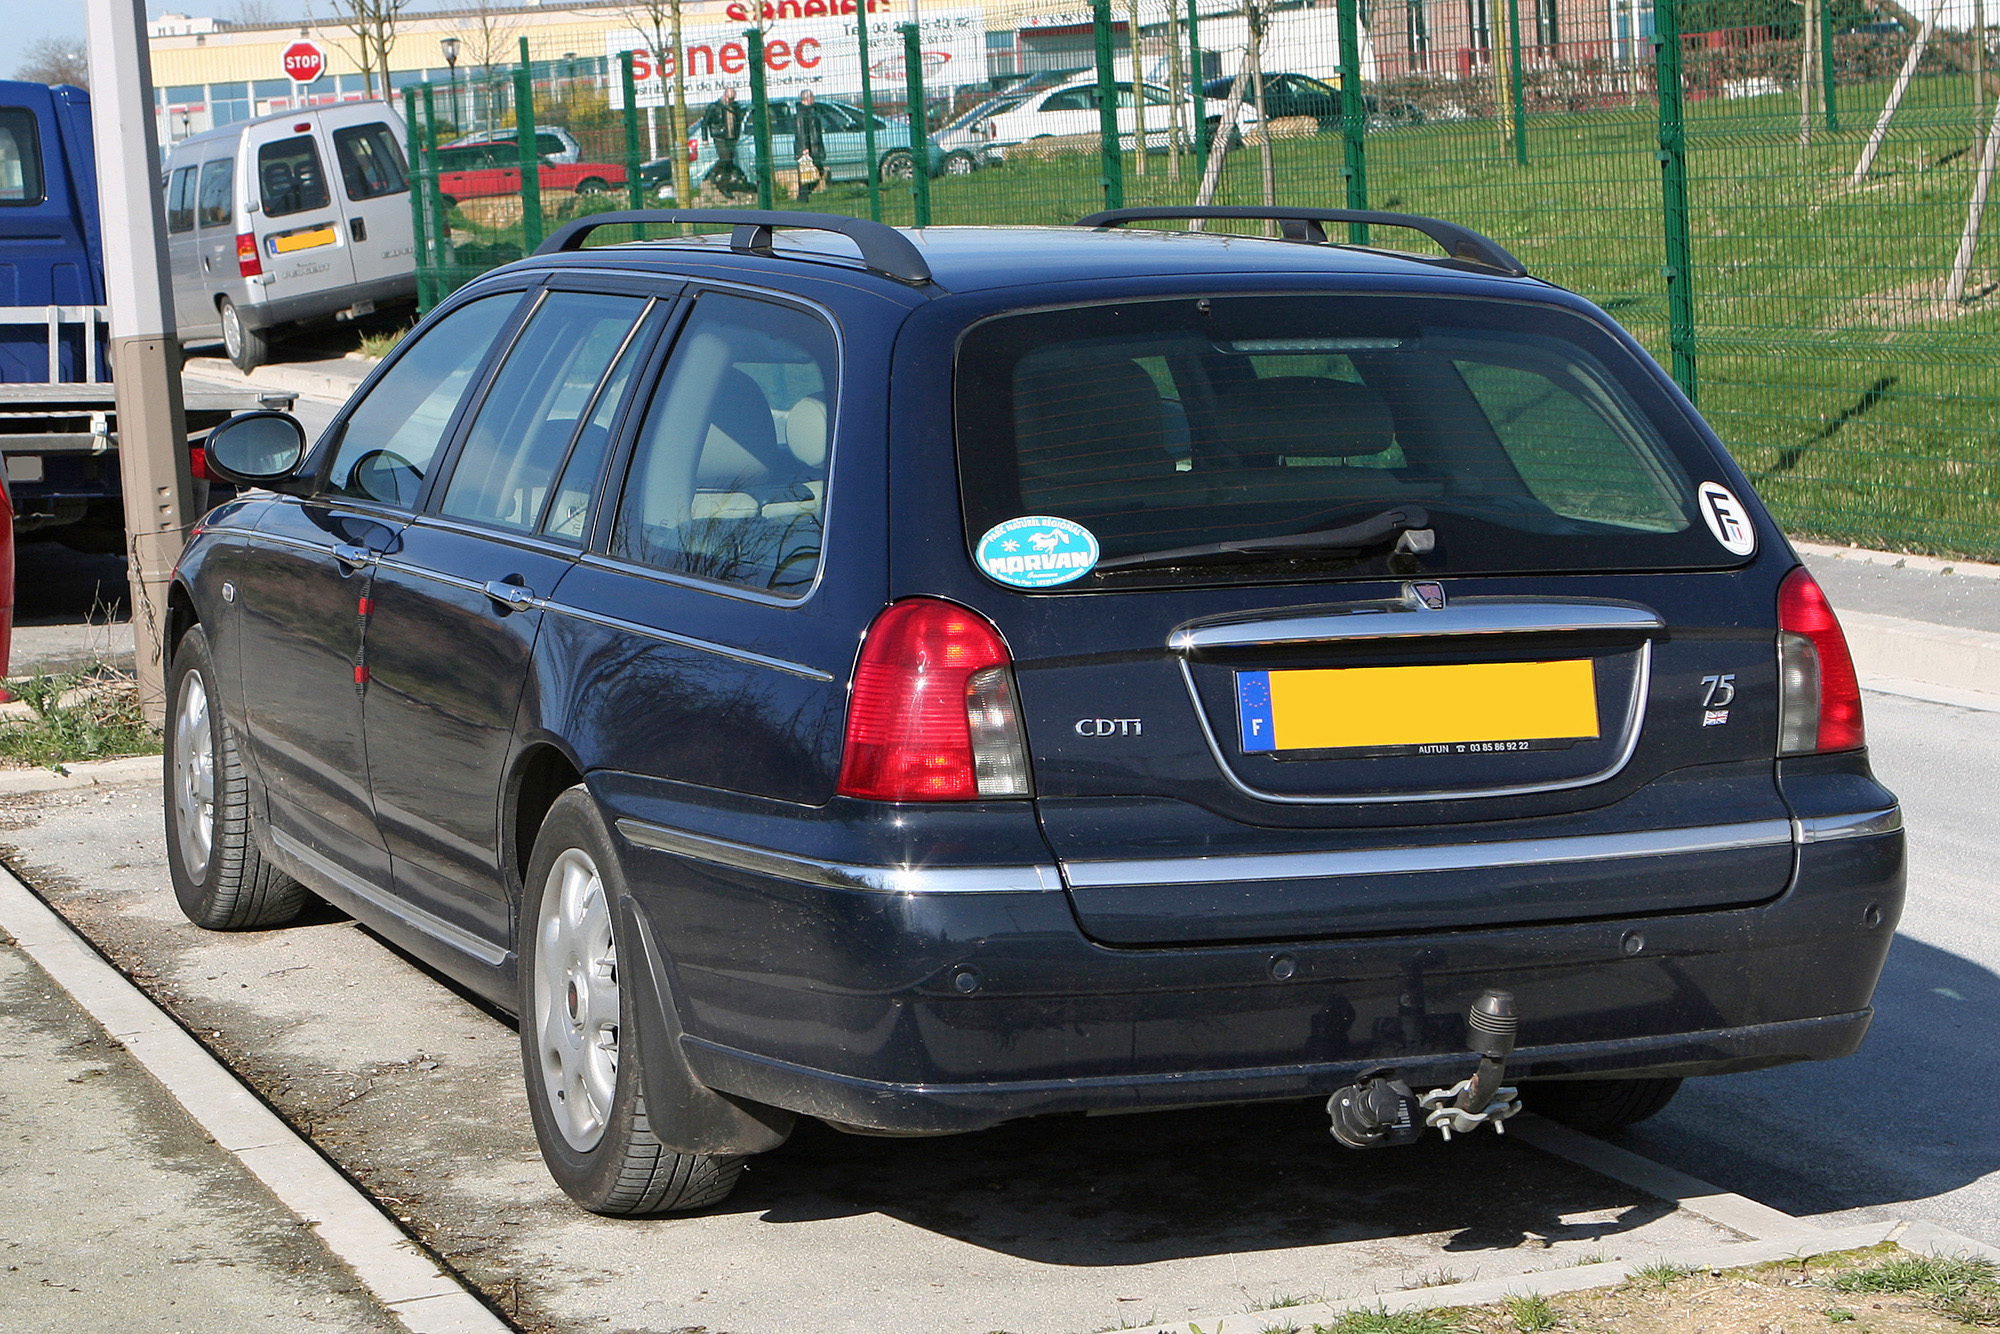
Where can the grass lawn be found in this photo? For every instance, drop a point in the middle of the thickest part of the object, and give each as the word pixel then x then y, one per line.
pixel 1866 410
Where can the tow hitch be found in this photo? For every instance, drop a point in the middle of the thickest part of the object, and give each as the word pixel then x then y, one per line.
pixel 1379 1110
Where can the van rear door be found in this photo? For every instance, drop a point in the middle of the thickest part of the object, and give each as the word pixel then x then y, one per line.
pixel 375 195
pixel 301 236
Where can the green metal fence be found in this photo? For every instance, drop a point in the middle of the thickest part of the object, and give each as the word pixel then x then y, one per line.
pixel 1788 215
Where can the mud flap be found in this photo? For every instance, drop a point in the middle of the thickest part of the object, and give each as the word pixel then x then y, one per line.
pixel 687 1116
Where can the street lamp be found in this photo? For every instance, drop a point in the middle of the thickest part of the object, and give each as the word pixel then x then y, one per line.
pixel 449 46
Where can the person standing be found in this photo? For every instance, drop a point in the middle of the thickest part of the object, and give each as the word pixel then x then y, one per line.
pixel 724 122
pixel 809 138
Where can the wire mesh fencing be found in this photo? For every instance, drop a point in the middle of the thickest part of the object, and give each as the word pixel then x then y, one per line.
pixel 1790 215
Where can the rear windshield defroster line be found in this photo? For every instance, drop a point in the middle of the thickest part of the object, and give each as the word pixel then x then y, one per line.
pixel 1208 439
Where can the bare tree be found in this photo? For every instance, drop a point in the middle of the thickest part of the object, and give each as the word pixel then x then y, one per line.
pixel 659 23
pixel 487 33
pixel 54 60
pixel 373 23
pixel 254 14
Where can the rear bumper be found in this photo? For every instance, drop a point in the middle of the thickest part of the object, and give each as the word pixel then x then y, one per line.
pixel 262 315
pixel 926 1000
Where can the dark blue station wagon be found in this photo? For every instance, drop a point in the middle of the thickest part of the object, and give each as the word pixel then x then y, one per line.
pixel 918 680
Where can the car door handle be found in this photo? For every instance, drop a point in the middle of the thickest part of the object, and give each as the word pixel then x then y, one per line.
pixel 352 557
pixel 514 597
pixel 358 227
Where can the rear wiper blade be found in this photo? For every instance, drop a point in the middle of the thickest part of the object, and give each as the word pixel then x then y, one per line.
pixel 1408 526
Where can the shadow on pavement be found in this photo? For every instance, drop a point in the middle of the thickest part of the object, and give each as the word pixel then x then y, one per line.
pixel 1908 1116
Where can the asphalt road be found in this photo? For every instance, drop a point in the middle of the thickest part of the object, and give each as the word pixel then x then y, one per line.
pixel 1906 1127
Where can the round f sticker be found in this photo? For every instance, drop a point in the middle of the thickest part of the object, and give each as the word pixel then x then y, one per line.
pixel 1727 519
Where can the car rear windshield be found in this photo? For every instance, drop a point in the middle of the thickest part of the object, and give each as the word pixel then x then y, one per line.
pixel 1514 437
pixel 20 157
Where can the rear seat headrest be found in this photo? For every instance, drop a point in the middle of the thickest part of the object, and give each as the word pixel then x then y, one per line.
pixel 805 432
pixel 1305 415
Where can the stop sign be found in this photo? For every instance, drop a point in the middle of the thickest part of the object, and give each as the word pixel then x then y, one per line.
pixel 304 62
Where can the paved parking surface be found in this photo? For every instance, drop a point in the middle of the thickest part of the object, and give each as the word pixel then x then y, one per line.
pixel 1046 1227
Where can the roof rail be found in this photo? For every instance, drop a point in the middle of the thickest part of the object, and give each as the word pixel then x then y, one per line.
pixel 883 249
pixel 1461 243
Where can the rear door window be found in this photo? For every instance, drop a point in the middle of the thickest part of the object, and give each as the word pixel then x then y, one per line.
pixel 529 419
pixel 217 201
pixel 1519 438
pixel 728 478
pixel 180 201
pixel 391 436
pixel 20 157
pixel 290 178
pixel 371 162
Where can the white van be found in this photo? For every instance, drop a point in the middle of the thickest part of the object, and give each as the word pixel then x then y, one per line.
pixel 261 235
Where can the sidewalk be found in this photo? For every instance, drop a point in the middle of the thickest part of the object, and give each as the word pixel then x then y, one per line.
pixel 118 1212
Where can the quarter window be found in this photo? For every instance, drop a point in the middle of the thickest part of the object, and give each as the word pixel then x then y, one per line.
pixel 391 436
pixel 728 480
pixel 20 157
pixel 371 162
pixel 180 201
pixel 530 417
pixel 217 206
pixel 289 177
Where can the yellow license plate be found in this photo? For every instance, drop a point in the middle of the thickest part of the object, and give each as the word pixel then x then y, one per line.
pixel 290 241
pixel 1456 707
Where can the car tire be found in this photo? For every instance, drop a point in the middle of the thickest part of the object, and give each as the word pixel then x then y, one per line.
pixel 247 347
pixel 898 165
pixel 1598 1105
pixel 960 163
pixel 220 876
pixel 580 1043
pixel 593 185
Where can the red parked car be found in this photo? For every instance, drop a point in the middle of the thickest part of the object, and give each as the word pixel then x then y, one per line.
pixel 484 171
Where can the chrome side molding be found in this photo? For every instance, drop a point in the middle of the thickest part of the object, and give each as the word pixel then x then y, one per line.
pixel 1406 620
pixel 840 875
pixel 431 925
pixel 1420 860
pixel 1862 824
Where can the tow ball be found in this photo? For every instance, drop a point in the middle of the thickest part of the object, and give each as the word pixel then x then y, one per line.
pixel 1379 1110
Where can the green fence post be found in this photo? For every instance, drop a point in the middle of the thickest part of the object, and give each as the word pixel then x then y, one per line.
pixel 1826 63
pixel 1520 91
pixel 419 227
pixel 1107 108
pixel 868 113
pixel 920 139
pixel 1194 87
pixel 635 190
pixel 1354 116
pixel 434 201
pixel 531 163
pixel 1679 270
pixel 760 117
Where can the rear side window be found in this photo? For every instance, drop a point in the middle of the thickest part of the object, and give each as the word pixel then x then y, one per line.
pixel 290 178
pixel 371 162
pixel 180 201
pixel 728 480
pixel 530 417
pixel 217 198
pixel 20 157
pixel 1523 438
pixel 392 435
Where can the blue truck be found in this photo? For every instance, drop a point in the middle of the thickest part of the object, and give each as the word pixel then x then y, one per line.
pixel 58 416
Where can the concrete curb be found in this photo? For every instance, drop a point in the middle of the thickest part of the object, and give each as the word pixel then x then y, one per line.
pixel 393 1268
pixel 87 773
pixel 1925 1238
pixel 1897 649
pixel 1896 560
pixel 289 379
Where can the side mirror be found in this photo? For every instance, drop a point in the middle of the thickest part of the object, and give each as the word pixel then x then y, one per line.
pixel 257 448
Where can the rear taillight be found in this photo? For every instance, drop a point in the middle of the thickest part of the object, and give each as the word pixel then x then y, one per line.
pixel 198 462
pixel 694 149
pixel 1819 697
pixel 247 262
pixel 933 716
